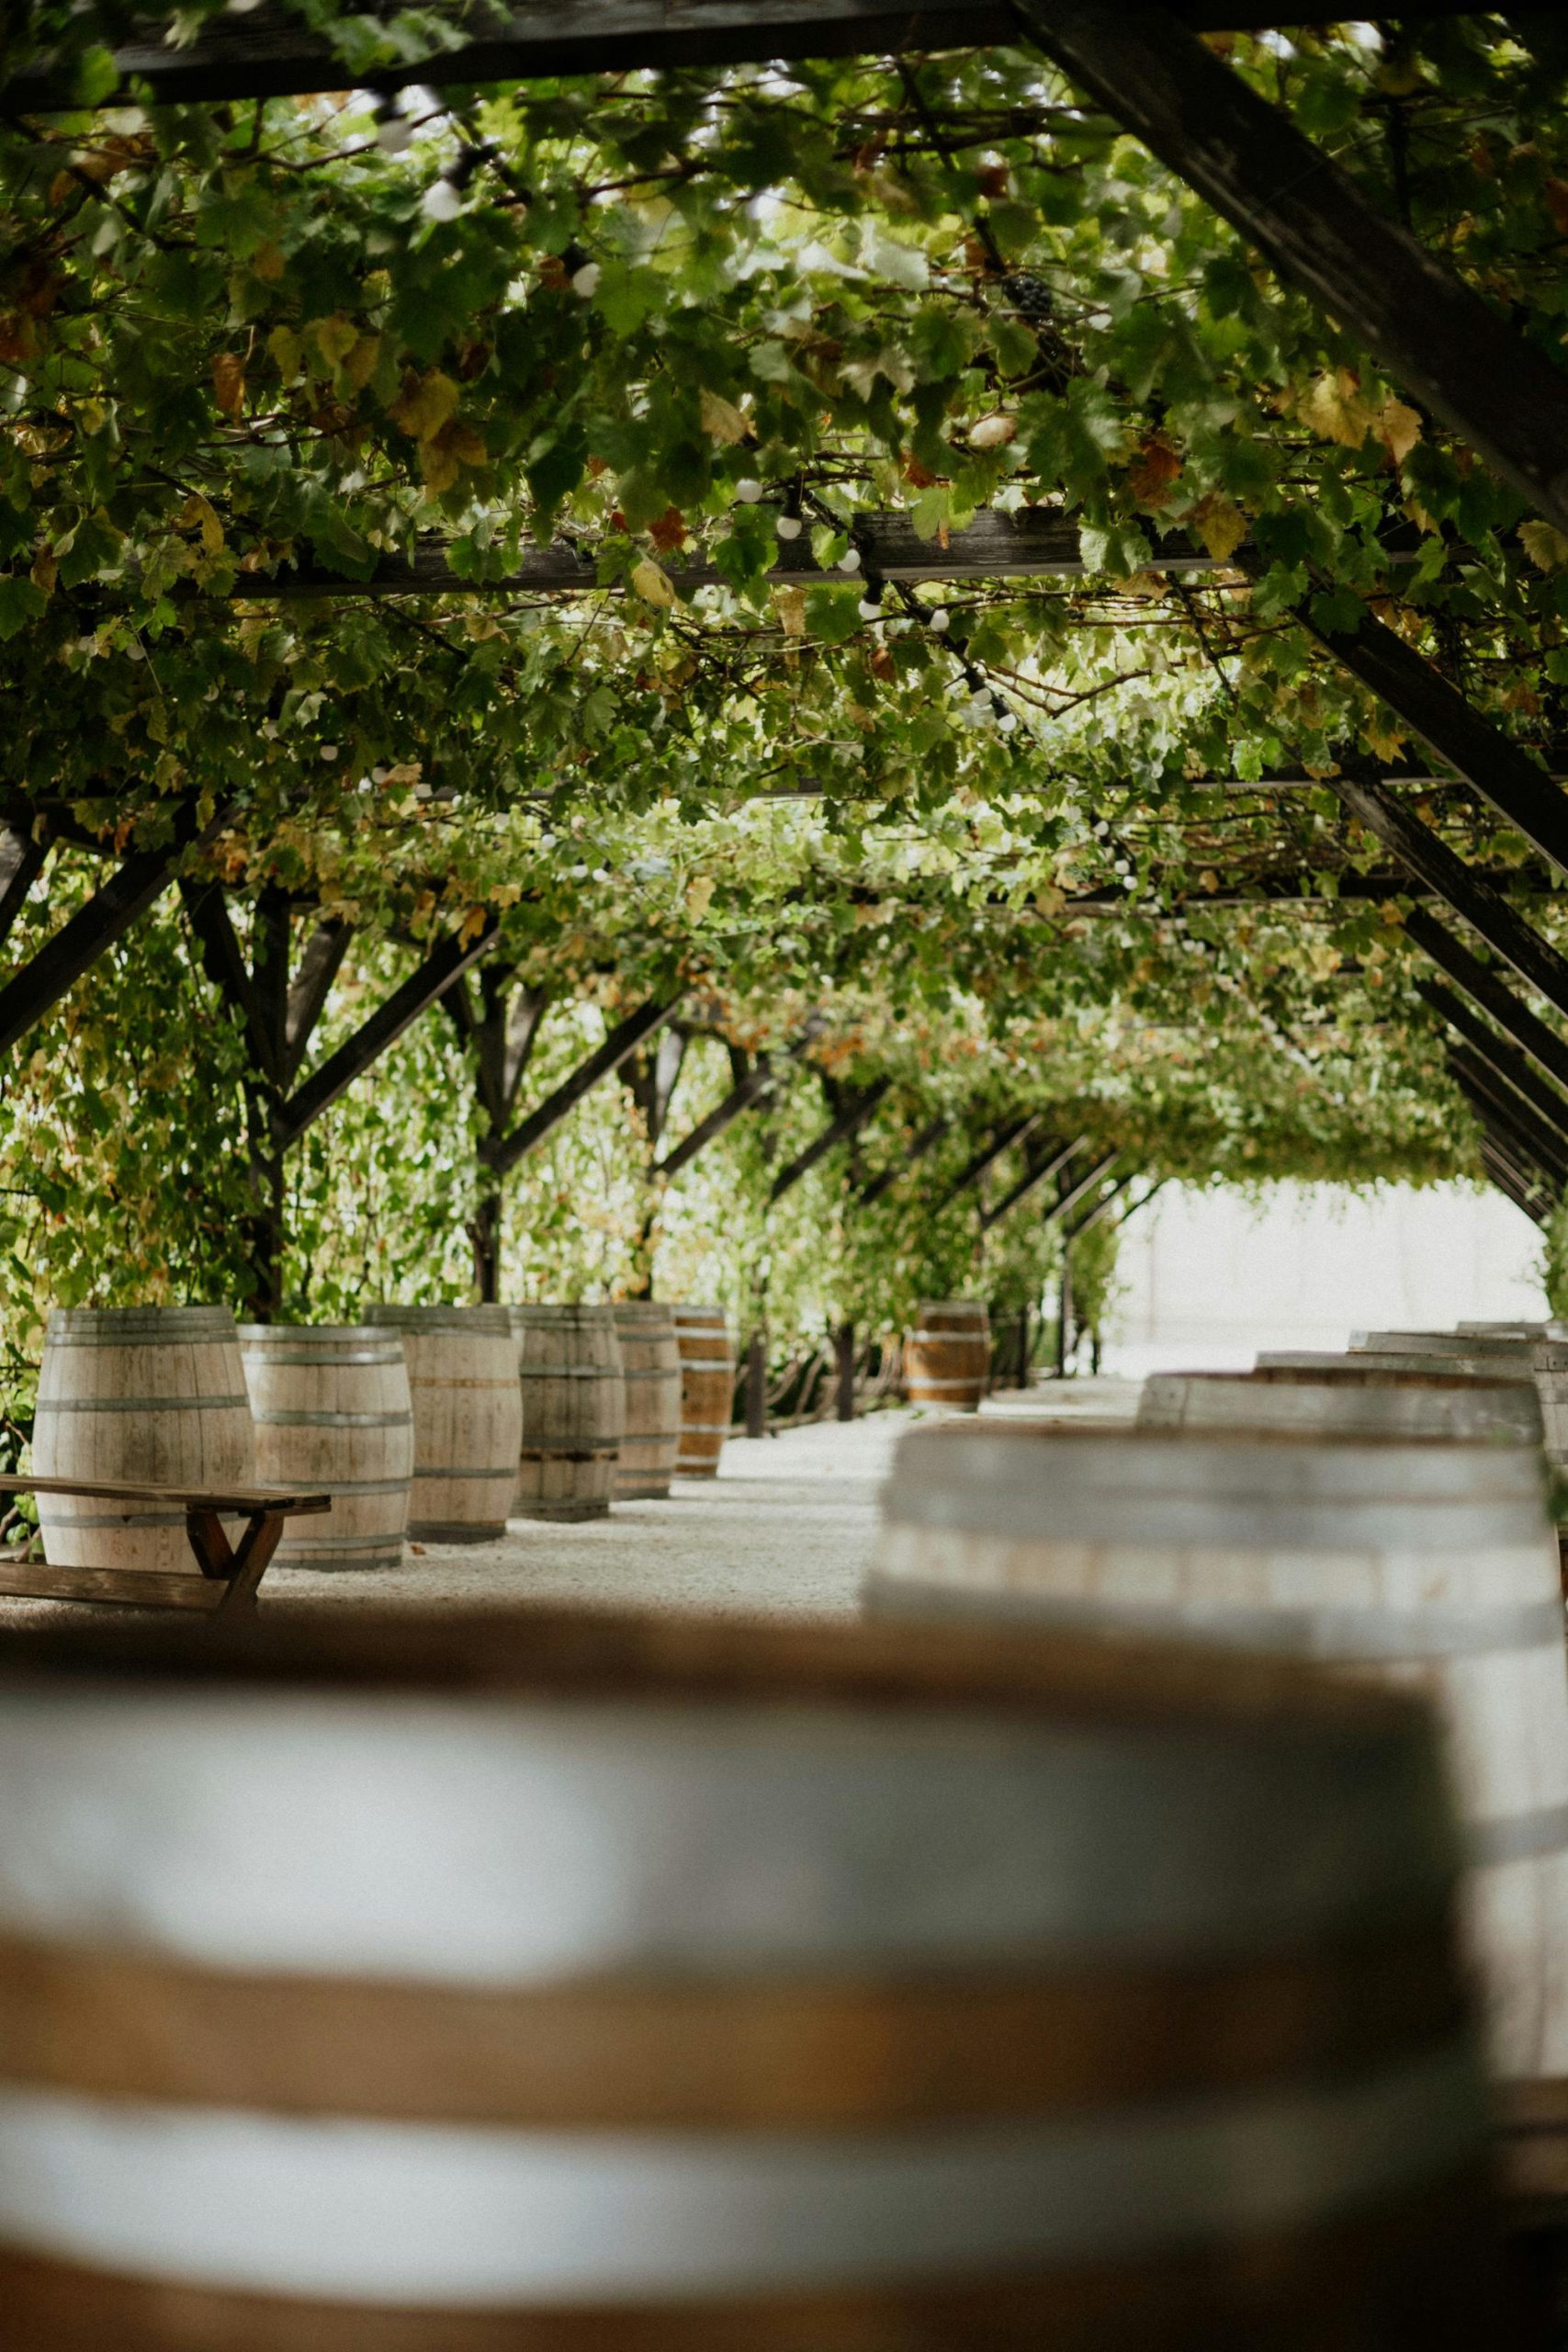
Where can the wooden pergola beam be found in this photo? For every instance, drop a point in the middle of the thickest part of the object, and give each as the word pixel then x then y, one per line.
pixel 1509 1064
pixel 422 987
pixel 1453 350
pixel 758 1082
pixel 1485 987
pixel 1483 1084
pixel 1471 744
pixel 839 1130
pixel 137 882
pixel 504 1152
pixel 1508 1144
pixel 1001 1139
pixel 1527 1194
pixel 266 54
pixel 1036 542
pixel 1484 908
pixel 1050 1163
pixel 1069 1201
pixel 21 863
pixel 927 1141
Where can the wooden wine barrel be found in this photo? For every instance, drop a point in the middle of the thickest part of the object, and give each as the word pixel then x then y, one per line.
pixel 1421 1561
pixel 332 1408
pixel 947 1357
pixel 468 1418
pixel 571 1982
pixel 707 1388
pixel 651 1359
pixel 1348 1399
pixel 149 1396
pixel 569 1360
pixel 1440 1343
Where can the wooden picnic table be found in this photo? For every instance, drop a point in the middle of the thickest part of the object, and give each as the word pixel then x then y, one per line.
pixel 229 1575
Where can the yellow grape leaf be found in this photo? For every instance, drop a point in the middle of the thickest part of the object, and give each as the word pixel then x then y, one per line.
pixel 1545 545
pixel 1335 411
pixel 424 405
pixel 360 364
pixel 1221 526
pixel 44 571
pixel 791 606
pixel 267 263
pixel 653 585
pixel 1399 429
pixel 287 350
pixel 229 382
pixel 473 923
pixel 699 894
pixel 722 420
pixel 334 338
pixel 438 467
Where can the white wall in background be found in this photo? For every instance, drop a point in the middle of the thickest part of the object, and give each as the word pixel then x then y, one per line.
pixel 1210 1276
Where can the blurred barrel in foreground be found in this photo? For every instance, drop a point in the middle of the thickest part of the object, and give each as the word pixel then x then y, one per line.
pixel 650 1360
pixel 138 1396
pixel 467 1418
pixel 947 1357
pixel 1346 1399
pixel 707 1388
pixel 332 1408
pixel 1423 1562
pixel 569 1362
pixel 570 1982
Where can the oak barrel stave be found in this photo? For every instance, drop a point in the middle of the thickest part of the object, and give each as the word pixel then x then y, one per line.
pixel 650 1362
pixel 149 1396
pixel 468 1418
pixel 707 1388
pixel 947 1357
pixel 569 1362
pixel 889 1990
pixel 333 1408
pixel 1346 1399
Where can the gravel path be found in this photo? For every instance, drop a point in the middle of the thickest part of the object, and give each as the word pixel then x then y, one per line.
pixel 786 1530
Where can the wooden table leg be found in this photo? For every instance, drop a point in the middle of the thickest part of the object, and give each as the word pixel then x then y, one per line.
pixel 242 1571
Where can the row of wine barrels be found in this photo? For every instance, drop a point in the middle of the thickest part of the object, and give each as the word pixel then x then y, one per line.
pixel 468 1418
pixel 947 1356
pixel 650 1362
pixel 569 1362
pixel 1418 1560
pixel 707 1388
pixel 333 1408
pixel 570 1980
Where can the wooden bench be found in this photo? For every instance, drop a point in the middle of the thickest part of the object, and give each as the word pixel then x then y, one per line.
pixel 229 1577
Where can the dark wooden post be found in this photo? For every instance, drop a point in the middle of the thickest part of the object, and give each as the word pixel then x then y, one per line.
pixel 844 1349
pixel 1065 1311
pixel 1020 1369
pixel 757 1383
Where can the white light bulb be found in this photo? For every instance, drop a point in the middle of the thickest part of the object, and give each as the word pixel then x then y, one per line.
pixel 1007 722
pixel 748 492
pixel 849 560
pixel 329 751
pixel 869 608
pixel 585 281
pixel 394 133
pixel 940 621
pixel 788 526
pixel 440 202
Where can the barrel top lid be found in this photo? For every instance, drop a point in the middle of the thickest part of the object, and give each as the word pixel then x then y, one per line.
pixel 1439 1343
pixel 642 1311
pixel 140 1323
pixel 549 1654
pixel 1510 1368
pixel 477 1319
pixel 327 1334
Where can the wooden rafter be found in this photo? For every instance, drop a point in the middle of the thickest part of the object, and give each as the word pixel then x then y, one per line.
pixel 1049 1163
pixel 925 1141
pixel 1483 907
pixel 21 863
pixel 137 882
pixel 268 54
pixel 1509 1065
pixel 848 1122
pixel 422 987
pixel 1444 342
pixel 1000 1140
pixel 504 1152
pixel 1487 989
